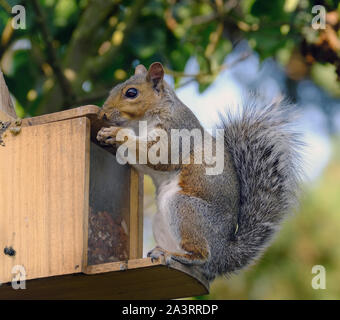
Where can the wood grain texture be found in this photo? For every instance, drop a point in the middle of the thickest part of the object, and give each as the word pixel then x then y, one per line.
pixel 142 280
pixel 140 213
pixel 90 111
pixel 6 106
pixel 86 198
pixel 44 203
pixel 43 198
pixel 136 215
pixel 5 117
pixel 143 263
pixel 95 115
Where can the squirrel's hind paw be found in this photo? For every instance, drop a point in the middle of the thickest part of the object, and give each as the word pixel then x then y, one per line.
pixel 158 252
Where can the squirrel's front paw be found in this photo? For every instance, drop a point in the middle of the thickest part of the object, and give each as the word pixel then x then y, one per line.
pixel 108 135
pixel 158 252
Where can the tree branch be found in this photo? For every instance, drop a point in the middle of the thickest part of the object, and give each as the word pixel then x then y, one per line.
pixel 68 95
pixel 85 32
pixel 220 13
pixel 6 6
pixel 201 76
pixel 225 66
pixel 92 97
pixel 99 63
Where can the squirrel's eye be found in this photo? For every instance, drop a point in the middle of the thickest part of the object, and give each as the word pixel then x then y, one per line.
pixel 131 93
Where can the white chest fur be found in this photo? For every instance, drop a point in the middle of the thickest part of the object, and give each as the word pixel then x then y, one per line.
pixel 166 190
pixel 165 233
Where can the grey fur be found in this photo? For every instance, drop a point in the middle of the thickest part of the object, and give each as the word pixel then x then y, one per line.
pixel 264 149
pixel 231 217
pixel 243 206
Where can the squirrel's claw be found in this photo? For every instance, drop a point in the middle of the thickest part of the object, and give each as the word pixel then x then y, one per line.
pixel 155 253
pixel 158 252
pixel 107 135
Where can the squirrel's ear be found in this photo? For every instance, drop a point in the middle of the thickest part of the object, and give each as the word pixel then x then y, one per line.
pixel 140 69
pixel 155 73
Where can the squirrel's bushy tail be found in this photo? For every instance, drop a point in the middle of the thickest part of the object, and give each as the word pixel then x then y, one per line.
pixel 264 149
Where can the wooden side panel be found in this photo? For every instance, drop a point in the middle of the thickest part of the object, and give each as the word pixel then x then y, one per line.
pixel 136 215
pixel 5 117
pixel 43 177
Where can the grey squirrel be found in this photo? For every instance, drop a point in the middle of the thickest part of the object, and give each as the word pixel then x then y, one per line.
pixel 217 223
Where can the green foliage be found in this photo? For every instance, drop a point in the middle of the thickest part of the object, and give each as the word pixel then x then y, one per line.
pixel 101 41
pixel 310 237
pixel 270 10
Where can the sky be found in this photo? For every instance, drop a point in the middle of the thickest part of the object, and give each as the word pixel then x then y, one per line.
pixel 226 94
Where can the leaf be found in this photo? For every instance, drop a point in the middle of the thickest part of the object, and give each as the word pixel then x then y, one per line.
pixel 273 10
pixel 23 77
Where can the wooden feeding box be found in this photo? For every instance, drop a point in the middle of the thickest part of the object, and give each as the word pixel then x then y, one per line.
pixel 72 217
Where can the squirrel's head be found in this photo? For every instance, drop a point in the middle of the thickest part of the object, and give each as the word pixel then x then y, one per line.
pixel 140 93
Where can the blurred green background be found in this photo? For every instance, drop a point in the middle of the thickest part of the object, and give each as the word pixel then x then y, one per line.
pixel 310 237
pixel 71 52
